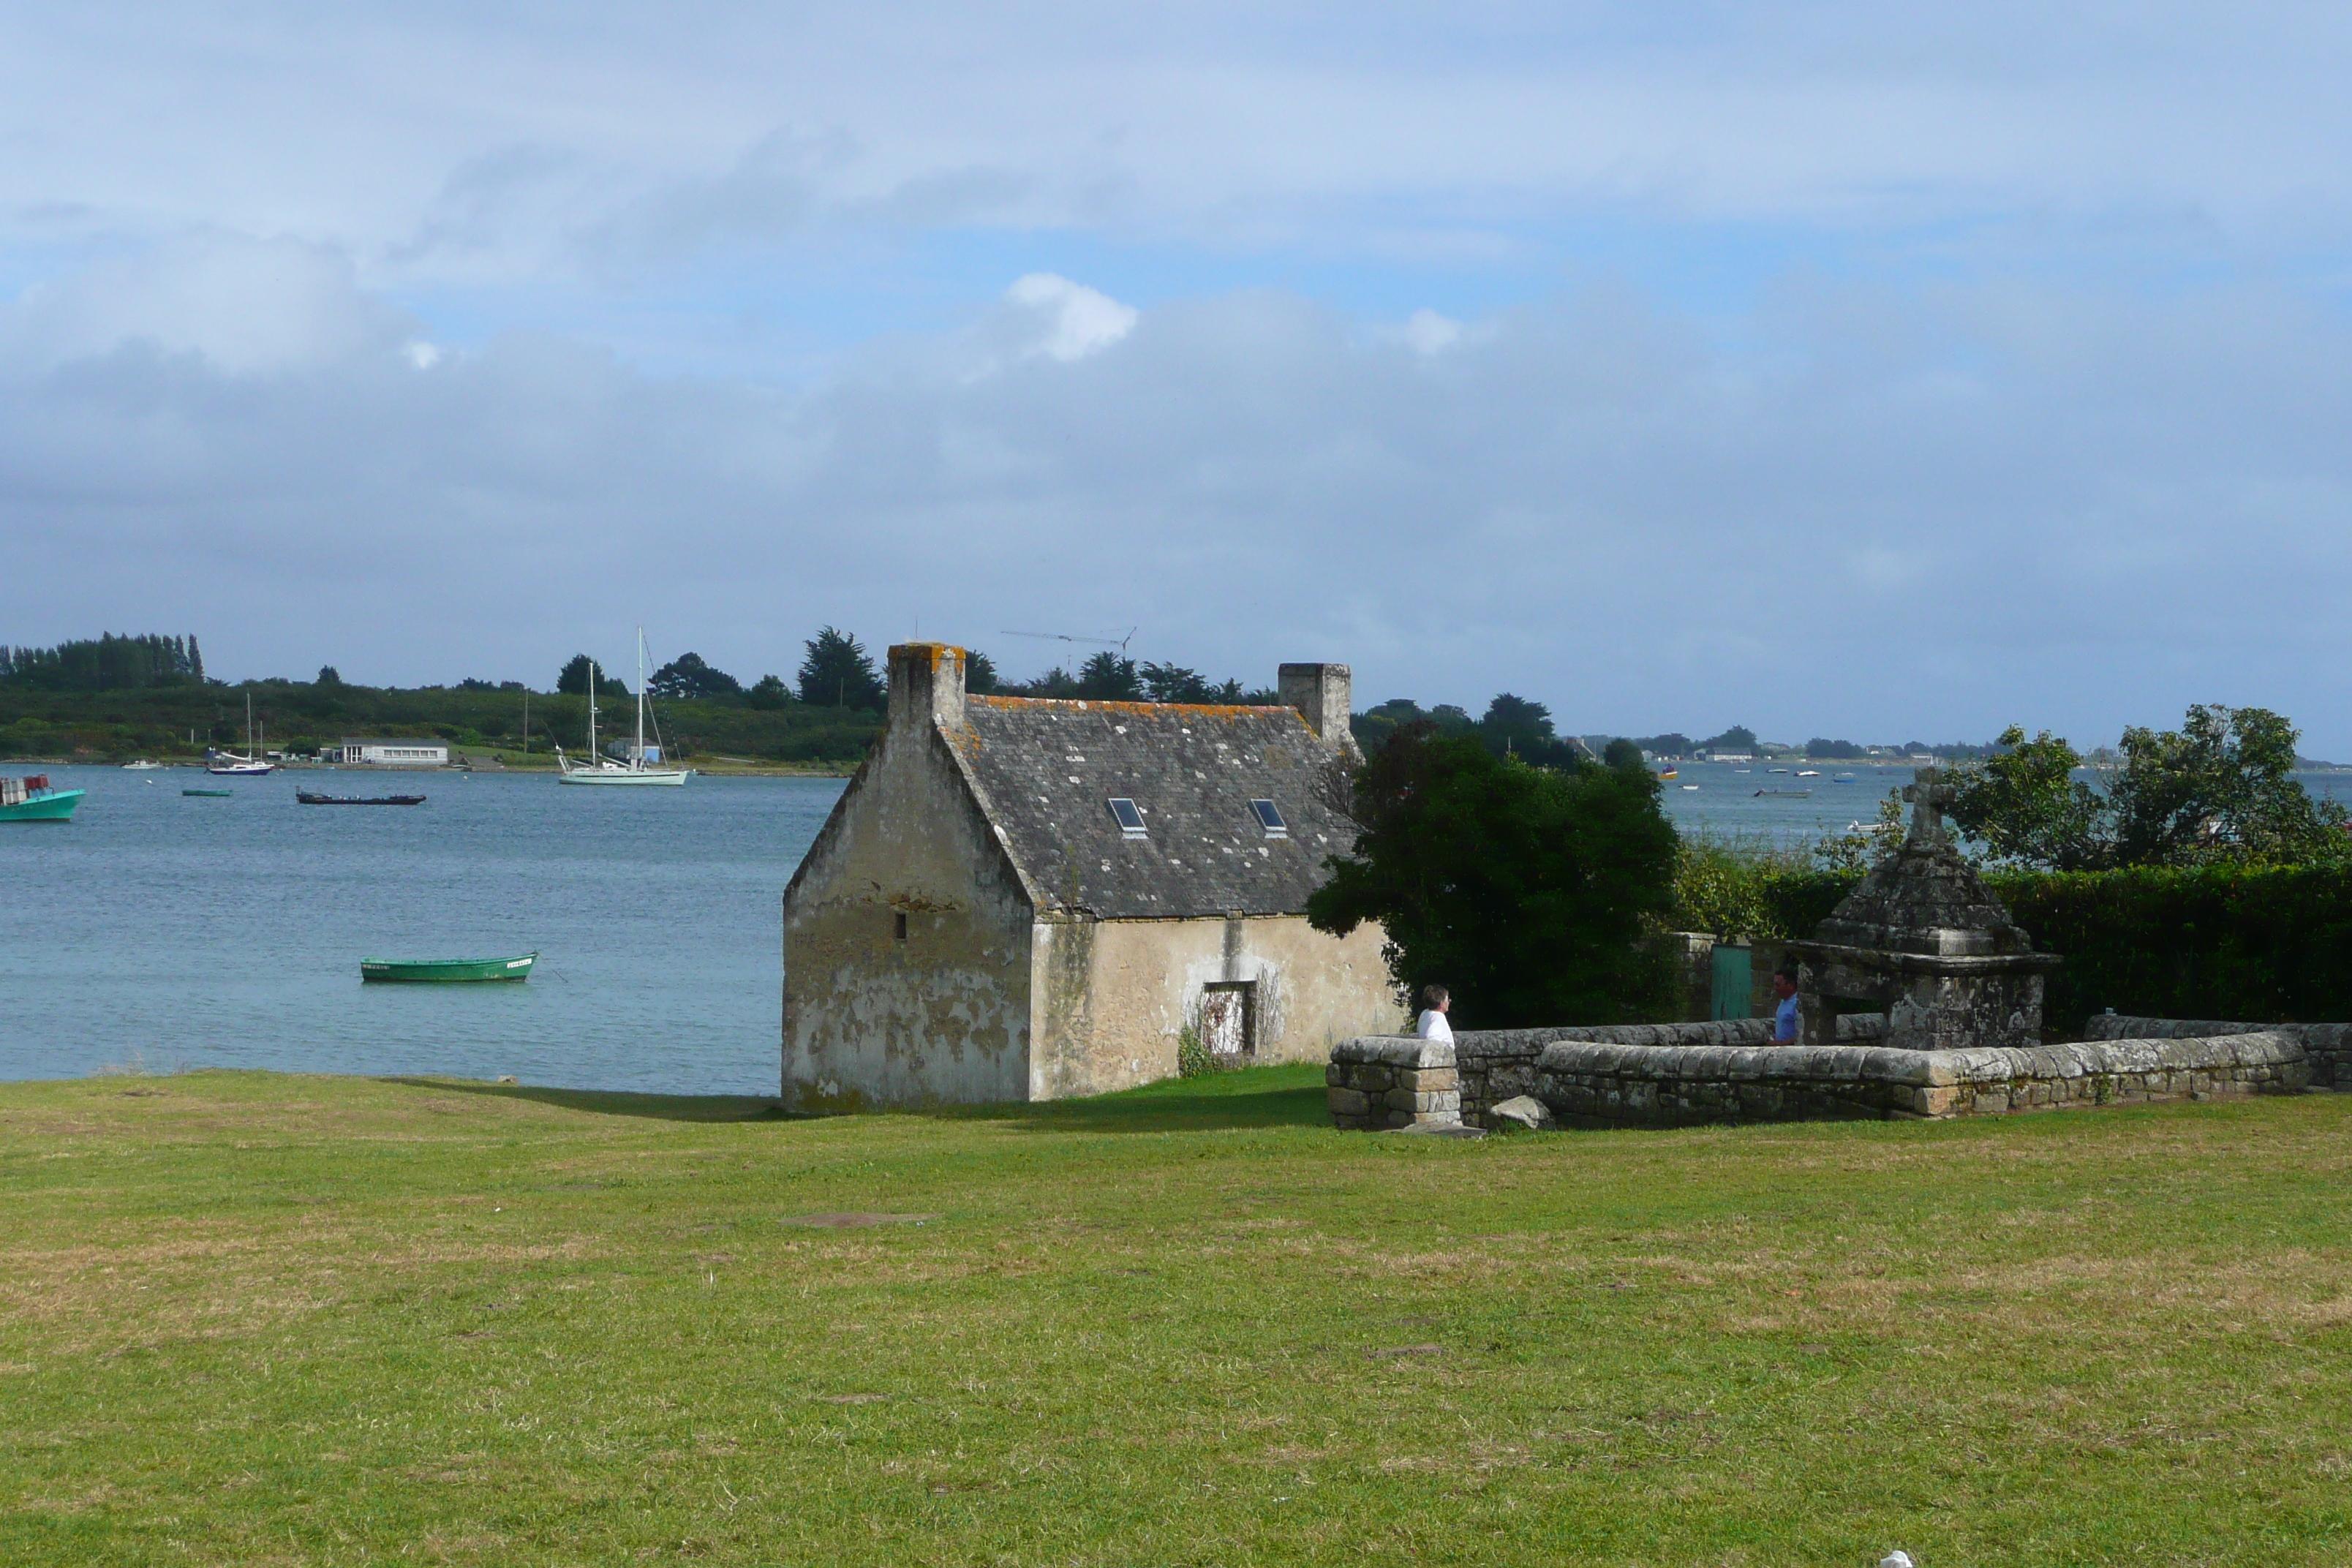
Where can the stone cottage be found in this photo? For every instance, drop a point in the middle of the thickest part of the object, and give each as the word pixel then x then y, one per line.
pixel 1020 898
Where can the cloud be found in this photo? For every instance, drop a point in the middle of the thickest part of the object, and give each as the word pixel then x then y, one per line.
pixel 245 305
pixel 2065 507
pixel 1068 320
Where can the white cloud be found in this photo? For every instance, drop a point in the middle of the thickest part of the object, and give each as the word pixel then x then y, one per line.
pixel 1427 333
pixel 1070 320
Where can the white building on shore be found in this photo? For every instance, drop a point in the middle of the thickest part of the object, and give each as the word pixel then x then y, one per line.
pixel 398 752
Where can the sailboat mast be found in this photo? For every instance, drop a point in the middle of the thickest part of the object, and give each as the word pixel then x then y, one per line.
pixel 640 763
pixel 593 674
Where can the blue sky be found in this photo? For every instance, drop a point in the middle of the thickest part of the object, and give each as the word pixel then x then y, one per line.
pixel 1882 372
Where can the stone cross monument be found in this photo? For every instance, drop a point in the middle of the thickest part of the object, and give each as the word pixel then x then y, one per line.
pixel 1925 938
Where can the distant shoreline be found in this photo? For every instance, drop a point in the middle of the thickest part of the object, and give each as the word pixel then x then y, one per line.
pixel 714 770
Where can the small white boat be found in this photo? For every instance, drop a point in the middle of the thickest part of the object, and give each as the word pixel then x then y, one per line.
pixel 1809 773
pixel 141 766
pixel 1690 786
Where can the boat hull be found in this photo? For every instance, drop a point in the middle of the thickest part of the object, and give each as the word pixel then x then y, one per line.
pixel 442 971
pixel 655 776
pixel 57 805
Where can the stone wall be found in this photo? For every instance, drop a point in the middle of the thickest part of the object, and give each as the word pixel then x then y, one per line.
pixel 1384 1081
pixel 2329 1046
pixel 1380 1081
pixel 1612 1085
pixel 1497 1065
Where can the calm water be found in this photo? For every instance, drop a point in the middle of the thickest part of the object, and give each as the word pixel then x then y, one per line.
pixel 158 929
pixel 228 932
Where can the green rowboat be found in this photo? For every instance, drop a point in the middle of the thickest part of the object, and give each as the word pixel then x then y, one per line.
pixel 216 793
pixel 443 969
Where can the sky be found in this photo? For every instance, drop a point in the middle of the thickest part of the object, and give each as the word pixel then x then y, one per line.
pixel 1884 373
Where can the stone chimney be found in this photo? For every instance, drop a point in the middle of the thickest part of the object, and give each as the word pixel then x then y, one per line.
pixel 926 683
pixel 1322 692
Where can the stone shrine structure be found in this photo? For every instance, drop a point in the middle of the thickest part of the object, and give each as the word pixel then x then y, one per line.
pixel 1925 939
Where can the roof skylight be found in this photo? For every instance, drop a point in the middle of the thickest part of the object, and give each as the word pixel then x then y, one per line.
pixel 1130 820
pixel 1269 818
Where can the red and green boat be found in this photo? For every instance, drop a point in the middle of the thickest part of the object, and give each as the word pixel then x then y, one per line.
pixel 32 800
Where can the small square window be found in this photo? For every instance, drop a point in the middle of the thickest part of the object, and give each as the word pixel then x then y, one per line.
pixel 1269 818
pixel 901 924
pixel 1130 820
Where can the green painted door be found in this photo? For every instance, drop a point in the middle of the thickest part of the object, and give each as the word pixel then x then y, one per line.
pixel 1732 979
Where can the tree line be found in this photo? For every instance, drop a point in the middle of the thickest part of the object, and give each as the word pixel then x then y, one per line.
pixel 106 663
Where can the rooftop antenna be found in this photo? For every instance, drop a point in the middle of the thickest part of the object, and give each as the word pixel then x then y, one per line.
pixel 1118 643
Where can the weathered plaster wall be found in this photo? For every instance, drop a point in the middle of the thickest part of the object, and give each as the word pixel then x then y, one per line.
pixel 944 1014
pixel 1109 997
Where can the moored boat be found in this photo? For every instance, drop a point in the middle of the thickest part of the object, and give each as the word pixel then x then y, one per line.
pixel 598 770
pixel 307 798
pixel 253 764
pixel 213 794
pixel 30 799
pixel 446 968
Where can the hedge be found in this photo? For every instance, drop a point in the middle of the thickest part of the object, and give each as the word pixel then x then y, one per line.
pixel 2266 945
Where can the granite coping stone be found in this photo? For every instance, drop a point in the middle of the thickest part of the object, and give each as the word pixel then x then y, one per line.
pixel 1986 1066
pixel 1393 1050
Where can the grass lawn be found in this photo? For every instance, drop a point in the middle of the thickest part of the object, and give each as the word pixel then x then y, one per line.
pixel 255 1319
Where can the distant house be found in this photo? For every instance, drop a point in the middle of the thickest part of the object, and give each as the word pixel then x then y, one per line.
pixel 1020 898
pixel 1718 755
pixel 399 752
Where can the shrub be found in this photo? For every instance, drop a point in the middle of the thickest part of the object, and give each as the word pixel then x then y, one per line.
pixel 1193 1058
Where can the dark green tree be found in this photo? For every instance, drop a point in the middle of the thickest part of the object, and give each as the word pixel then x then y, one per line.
pixel 979 672
pixel 1516 727
pixel 1527 891
pixel 2219 788
pixel 838 673
pixel 687 676
pixel 573 681
pixel 1108 678
pixel 768 693
pixel 1738 738
pixel 328 676
pixel 1622 752
pixel 2025 803
pixel 2222 786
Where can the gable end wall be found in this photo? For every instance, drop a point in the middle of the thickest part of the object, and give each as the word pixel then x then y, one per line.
pixel 942 1016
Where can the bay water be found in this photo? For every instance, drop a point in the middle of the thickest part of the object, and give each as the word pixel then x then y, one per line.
pixel 161 930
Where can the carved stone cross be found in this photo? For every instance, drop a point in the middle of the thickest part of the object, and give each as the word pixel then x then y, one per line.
pixel 1930 797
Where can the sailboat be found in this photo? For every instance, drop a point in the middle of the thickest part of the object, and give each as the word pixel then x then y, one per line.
pixel 601 770
pixel 253 764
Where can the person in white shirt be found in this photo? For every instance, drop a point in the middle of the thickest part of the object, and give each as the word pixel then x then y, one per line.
pixel 1434 1001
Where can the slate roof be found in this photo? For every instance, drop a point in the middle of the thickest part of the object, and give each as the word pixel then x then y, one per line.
pixel 1047 769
